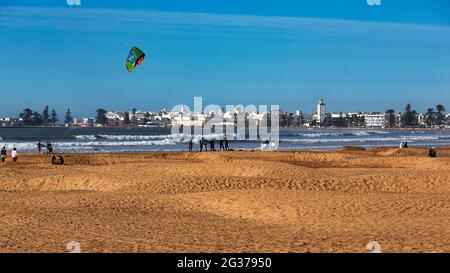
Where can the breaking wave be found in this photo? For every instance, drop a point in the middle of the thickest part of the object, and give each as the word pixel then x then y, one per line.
pixel 316 134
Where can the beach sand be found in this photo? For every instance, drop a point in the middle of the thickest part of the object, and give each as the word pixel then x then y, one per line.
pixel 228 202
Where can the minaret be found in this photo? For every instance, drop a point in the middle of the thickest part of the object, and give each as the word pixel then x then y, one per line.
pixel 320 111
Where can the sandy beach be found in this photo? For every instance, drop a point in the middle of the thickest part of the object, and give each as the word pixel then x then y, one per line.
pixel 228 202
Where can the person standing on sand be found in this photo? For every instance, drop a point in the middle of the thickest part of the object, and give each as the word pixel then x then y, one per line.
pixel 211 144
pixel 201 144
pixel 205 144
pixel 226 144
pixel 3 154
pixel 221 147
pixel 14 154
pixel 190 145
pixel 39 146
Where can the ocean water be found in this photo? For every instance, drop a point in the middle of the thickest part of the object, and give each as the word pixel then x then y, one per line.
pixel 161 139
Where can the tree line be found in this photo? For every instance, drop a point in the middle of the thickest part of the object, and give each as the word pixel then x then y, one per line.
pixel 46 118
pixel 128 118
pixel 410 118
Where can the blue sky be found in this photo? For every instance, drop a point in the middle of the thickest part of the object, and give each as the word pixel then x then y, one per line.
pixel 357 57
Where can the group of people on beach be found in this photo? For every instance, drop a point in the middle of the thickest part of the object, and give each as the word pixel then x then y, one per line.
pixel 49 147
pixel 3 154
pixel 223 145
pixel 39 145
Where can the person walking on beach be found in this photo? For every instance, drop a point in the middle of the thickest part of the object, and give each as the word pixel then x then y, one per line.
pixel 3 154
pixel 211 144
pixel 14 154
pixel 221 147
pixel 190 145
pixel 39 146
pixel 201 144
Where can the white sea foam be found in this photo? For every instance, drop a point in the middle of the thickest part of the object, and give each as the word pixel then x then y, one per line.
pixel 85 137
pixel 174 137
pixel 411 139
pixel 333 133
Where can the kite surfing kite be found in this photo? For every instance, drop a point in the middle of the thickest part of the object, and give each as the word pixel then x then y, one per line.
pixel 135 57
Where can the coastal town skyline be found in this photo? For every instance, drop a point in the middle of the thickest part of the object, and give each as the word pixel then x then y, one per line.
pixel 307 109
pixel 183 114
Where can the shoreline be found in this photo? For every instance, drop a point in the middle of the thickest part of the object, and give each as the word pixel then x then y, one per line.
pixel 341 149
pixel 281 128
pixel 368 129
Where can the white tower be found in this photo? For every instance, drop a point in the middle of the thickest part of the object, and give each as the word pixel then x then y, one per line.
pixel 320 111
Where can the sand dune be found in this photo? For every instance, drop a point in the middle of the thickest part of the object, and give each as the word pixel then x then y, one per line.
pixel 225 202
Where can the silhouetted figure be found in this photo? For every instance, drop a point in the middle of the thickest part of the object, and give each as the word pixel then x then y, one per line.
pixel 39 146
pixel 190 145
pixel 49 148
pixel 403 144
pixel 211 144
pixel 14 154
pixel 226 144
pixel 3 154
pixel 221 146
pixel 205 145
pixel 201 144
pixel 432 153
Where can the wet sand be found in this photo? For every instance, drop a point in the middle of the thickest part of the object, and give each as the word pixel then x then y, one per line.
pixel 228 202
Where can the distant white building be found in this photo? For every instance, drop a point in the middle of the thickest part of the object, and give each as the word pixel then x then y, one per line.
pixel 375 119
pixel 337 115
pixel 83 121
pixel 320 111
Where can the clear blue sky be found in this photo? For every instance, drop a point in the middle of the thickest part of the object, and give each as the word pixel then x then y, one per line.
pixel 357 57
